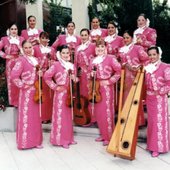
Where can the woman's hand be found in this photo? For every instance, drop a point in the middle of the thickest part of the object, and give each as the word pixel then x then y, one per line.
pixel 60 88
pixel 139 40
pixel 9 56
pixel 134 68
pixel 104 82
pixel 74 78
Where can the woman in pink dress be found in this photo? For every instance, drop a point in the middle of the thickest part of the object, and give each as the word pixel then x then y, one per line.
pixel 58 79
pixel 113 40
pixel 96 32
pixel 113 43
pixel 157 86
pixel 69 38
pixel 107 71
pixel 24 75
pixel 83 56
pixel 11 46
pixel 144 35
pixel 133 57
pixel 46 56
pixel 32 33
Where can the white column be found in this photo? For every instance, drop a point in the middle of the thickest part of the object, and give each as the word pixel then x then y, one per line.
pixel 80 14
pixel 37 11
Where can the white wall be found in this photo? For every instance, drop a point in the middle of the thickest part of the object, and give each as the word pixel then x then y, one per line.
pixel 37 11
pixel 80 14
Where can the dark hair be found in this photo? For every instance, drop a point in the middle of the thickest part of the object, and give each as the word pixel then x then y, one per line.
pixel 31 17
pixel 95 18
pixel 100 41
pixel 153 48
pixel 11 24
pixel 71 22
pixel 113 23
pixel 44 34
pixel 144 15
pixel 85 29
pixel 129 32
pixel 24 42
pixel 60 48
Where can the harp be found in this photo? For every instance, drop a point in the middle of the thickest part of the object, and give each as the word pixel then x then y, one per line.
pixel 124 139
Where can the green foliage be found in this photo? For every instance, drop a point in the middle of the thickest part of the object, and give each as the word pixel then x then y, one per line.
pixel 125 12
pixel 109 11
pixel 162 25
pixel 28 1
pixel 3 84
pixel 131 10
pixel 58 16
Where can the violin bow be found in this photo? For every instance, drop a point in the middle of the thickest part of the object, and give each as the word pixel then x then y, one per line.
pixel 71 93
pixel 93 93
pixel 40 91
pixel 49 65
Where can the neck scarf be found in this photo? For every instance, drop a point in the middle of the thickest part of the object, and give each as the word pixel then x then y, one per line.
pixel 13 40
pixel 66 64
pixel 83 46
pixel 98 59
pixel 96 32
pixel 32 31
pixel 126 48
pixel 71 38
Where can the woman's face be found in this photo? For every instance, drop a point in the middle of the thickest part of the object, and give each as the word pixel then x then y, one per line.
pixel 70 28
pixel 65 54
pixel 44 41
pixel 153 56
pixel 127 39
pixel 28 49
pixel 95 24
pixel 84 36
pixel 13 31
pixel 141 21
pixel 100 50
pixel 32 22
pixel 111 29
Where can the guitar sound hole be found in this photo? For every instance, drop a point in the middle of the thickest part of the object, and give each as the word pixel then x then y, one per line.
pixel 135 102
pixel 125 145
pixel 122 120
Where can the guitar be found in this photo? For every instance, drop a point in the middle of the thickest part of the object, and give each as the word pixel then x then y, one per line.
pixel 81 112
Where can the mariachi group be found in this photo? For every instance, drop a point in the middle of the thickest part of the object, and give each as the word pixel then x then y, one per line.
pixel 75 81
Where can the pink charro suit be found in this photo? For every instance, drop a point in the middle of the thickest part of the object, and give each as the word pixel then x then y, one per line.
pixel 135 56
pixel 31 34
pixel 158 86
pixel 62 127
pixel 29 130
pixel 46 56
pixel 113 44
pixel 98 33
pixel 72 41
pixel 11 47
pixel 148 36
pixel 83 56
pixel 107 69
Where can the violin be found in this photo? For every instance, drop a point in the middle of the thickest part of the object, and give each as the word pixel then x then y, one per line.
pixel 69 99
pixel 94 89
pixel 38 97
pixel 72 55
pixel 49 60
pixel 81 112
